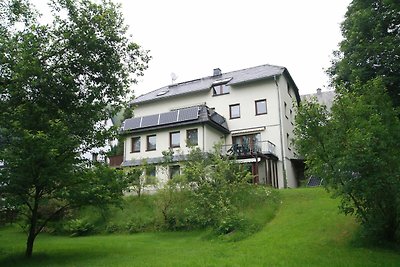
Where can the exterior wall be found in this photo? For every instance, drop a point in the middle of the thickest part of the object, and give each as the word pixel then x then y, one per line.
pixel 273 126
pixel 207 136
pixel 288 103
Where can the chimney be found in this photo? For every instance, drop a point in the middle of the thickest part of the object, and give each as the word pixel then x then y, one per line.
pixel 318 91
pixel 217 72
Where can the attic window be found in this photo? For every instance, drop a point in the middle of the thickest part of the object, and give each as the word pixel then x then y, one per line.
pixel 220 87
pixel 163 92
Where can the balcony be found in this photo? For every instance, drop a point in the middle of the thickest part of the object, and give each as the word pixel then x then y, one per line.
pixel 115 161
pixel 249 150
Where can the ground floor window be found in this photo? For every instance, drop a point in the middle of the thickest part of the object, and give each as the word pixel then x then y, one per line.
pixel 174 171
pixel 151 170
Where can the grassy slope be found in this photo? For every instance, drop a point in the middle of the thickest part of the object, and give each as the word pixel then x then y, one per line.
pixel 307 231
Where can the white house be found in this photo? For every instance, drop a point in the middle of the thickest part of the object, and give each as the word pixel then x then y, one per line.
pixel 249 111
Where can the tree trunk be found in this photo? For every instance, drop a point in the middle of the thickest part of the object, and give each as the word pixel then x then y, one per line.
pixel 29 243
pixel 32 227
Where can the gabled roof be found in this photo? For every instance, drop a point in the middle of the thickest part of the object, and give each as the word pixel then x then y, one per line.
pixel 204 84
pixel 179 117
pixel 323 97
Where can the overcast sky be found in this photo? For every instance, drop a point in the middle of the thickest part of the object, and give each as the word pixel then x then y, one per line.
pixel 191 38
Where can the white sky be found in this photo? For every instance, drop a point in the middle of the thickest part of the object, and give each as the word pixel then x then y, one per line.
pixel 191 38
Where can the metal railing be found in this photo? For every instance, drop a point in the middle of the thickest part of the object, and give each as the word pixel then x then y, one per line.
pixel 239 150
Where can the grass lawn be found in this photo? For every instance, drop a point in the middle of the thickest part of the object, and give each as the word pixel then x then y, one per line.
pixel 307 231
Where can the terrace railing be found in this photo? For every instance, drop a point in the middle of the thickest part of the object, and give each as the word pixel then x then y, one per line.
pixel 243 150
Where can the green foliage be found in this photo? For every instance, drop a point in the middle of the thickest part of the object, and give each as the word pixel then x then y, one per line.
pixel 79 227
pixel 203 195
pixel 370 46
pixel 355 149
pixel 138 178
pixel 57 82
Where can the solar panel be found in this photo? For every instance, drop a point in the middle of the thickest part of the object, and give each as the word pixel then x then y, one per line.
pixel 314 181
pixel 168 117
pixel 185 114
pixel 217 118
pixel 151 120
pixel 132 123
pixel 188 114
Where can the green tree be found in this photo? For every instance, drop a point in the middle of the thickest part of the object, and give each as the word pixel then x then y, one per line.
pixel 355 149
pixel 370 46
pixel 57 81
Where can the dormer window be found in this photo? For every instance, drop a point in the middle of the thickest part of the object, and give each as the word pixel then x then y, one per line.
pixel 163 92
pixel 220 87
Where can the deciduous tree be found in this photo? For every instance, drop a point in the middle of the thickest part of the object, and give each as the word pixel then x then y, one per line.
pixel 355 149
pixel 57 80
pixel 370 46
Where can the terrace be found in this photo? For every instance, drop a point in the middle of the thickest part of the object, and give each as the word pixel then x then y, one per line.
pixel 246 150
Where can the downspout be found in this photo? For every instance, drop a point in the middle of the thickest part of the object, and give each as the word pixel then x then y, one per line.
pixel 281 132
pixel 124 156
pixel 203 138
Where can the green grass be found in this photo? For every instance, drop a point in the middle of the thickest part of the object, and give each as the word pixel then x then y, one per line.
pixel 307 231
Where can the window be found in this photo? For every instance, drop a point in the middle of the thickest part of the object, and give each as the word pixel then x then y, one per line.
pixel 151 142
pixel 151 170
pixel 192 137
pixel 221 89
pixel 288 89
pixel 288 141
pixel 285 105
pixel 261 107
pixel 174 139
pixel 95 156
pixel 135 144
pixel 291 116
pixel 246 144
pixel 174 171
pixel 234 111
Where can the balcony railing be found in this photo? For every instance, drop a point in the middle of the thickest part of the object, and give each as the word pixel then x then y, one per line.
pixel 243 150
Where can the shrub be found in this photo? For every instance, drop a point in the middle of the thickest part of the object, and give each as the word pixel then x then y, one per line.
pixel 78 227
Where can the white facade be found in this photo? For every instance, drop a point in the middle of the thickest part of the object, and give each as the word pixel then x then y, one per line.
pixel 257 104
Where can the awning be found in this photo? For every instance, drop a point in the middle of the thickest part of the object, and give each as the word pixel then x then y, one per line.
pixel 248 131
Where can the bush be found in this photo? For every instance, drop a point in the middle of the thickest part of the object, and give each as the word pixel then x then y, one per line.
pixel 112 228
pixel 213 192
pixel 78 227
pixel 172 204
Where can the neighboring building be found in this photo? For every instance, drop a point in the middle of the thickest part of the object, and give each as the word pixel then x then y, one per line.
pixel 249 111
pixel 324 98
pixel 98 154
